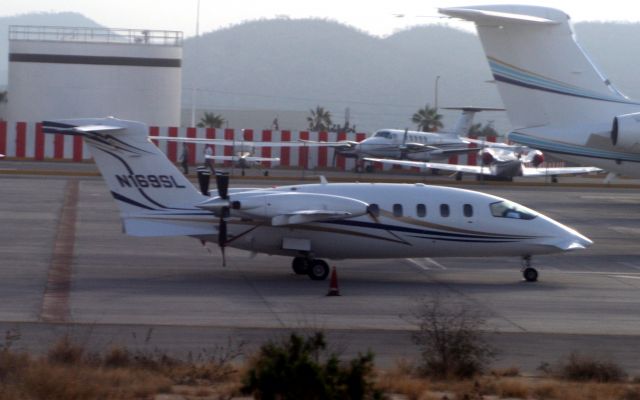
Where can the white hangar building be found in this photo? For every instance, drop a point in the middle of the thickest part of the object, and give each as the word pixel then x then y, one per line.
pixel 57 72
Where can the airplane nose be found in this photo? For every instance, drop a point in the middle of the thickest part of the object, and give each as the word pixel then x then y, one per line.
pixel 570 239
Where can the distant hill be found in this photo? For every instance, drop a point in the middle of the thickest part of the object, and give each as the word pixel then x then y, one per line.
pixel 68 19
pixel 289 64
pixel 297 64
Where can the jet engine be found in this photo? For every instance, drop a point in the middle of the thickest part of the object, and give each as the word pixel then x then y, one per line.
pixel 625 132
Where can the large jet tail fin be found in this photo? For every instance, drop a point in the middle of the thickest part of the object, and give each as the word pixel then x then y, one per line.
pixel 543 75
pixel 154 197
pixel 466 118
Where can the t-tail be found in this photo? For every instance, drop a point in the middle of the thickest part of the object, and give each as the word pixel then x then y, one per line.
pixel 543 75
pixel 154 197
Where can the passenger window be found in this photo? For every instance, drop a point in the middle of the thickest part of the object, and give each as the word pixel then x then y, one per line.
pixel 397 210
pixel 421 210
pixel 467 209
pixel 444 210
pixel 374 209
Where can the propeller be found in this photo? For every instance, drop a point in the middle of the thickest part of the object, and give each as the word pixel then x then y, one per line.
pixel 403 146
pixel 222 182
pixel 204 177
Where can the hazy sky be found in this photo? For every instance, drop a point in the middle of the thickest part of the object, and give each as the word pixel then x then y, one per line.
pixel 374 17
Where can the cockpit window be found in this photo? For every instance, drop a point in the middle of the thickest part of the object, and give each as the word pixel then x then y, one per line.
pixel 508 209
pixel 383 134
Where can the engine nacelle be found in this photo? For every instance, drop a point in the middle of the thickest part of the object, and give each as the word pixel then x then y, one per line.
pixel 537 159
pixel 625 132
pixel 487 158
pixel 267 206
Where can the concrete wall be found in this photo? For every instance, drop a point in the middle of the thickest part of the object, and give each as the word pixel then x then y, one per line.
pixel 70 79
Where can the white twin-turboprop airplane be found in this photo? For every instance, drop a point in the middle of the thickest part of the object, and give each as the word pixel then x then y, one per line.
pixel 413 145
pixel 556 99
pixel 313 221
pixel 502 163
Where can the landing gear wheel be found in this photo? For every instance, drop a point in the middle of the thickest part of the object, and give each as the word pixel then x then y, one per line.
pixel 530 274
pixel 300 265
pixel 318 270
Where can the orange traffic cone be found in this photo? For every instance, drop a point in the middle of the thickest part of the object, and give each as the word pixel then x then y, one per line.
pixel 333 284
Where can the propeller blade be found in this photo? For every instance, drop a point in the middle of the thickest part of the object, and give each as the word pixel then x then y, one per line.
pixel 222 181
pixel 204 177
pixel 222 235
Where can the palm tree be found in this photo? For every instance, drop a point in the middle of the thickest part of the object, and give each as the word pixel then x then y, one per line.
pixel 211 120
pixel 479 130
pixel 319 120
pixel 427 119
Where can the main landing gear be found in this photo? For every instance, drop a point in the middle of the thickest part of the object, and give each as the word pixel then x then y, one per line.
pixel 529 273
pixel 318 270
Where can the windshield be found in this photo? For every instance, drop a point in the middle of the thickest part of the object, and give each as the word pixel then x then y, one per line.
pixel 508 209
pixel 383 134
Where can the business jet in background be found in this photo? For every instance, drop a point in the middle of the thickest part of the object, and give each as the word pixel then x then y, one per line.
pixel 313 221
pixel 413 145
pixel 499 163
pixel 556 98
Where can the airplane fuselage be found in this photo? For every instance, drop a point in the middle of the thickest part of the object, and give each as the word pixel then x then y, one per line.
pixel 388 143
pixel 412 221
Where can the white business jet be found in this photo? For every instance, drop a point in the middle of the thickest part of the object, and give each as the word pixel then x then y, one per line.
pixel 556 98
pixel 313 221
pixel 500 163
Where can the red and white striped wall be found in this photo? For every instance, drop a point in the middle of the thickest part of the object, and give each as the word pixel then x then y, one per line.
pixel 25 140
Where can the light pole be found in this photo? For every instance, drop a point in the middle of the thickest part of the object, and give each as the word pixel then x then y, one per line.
pixel 435 102
pixel 194 92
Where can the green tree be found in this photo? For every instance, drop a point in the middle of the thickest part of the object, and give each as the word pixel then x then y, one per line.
pixel 319 119
pixel 211 120
pixel 479 130
pixel 301 368
pixel 427 119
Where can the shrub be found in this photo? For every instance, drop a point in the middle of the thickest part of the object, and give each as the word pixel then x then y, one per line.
pixel 584 368
pixel 300 368
pixel 450 339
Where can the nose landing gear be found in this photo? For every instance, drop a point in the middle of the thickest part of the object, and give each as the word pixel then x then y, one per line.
pixel 529 273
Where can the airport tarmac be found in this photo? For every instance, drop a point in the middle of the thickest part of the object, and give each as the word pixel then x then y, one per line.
pixel 67 268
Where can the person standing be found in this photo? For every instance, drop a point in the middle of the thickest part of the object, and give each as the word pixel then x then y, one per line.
pixel 208 163
pixel 184 159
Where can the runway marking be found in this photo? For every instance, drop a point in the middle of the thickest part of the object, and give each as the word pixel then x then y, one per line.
pixel 55 302
pixel 422 263
pixel 626 276
pixel 630 265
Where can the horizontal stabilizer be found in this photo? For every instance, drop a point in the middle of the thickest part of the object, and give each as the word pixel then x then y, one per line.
pixel 515 14
pixel 68 129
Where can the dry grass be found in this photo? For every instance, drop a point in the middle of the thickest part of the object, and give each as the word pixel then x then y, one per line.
pixel 513 388
pixel 68 371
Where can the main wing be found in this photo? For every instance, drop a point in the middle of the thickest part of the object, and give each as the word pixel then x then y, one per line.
pixel 471 169
pixel 529 171
pixel 227 142
pixel 247 158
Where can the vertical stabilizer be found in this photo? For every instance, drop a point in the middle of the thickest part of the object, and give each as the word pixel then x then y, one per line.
pixel 543 75
pixel 154 197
